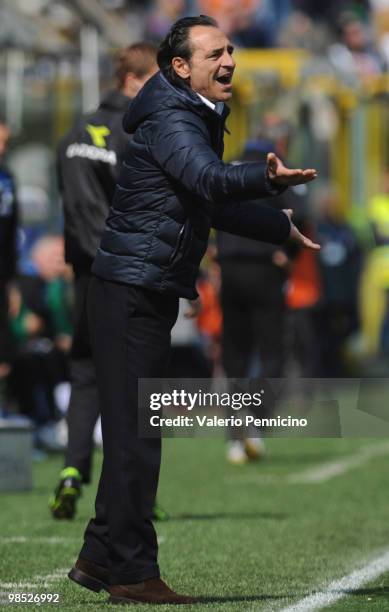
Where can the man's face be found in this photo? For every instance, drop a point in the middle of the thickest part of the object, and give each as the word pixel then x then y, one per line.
pixel 4 138
pixel 211 67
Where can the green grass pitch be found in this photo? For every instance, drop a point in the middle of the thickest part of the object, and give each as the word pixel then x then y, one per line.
pixel 240 537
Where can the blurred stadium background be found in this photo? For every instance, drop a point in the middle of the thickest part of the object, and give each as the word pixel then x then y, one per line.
pixel 312 78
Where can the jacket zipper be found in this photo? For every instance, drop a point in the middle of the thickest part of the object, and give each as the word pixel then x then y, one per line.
pixel 178 245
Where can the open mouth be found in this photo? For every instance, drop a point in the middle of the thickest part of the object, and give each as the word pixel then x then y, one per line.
pixel 225 79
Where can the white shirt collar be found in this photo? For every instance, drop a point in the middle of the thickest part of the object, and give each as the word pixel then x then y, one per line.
pixel 207 102
pixel 218 107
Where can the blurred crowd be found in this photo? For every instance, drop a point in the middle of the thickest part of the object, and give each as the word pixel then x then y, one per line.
pixel 351 34
pixel 264 310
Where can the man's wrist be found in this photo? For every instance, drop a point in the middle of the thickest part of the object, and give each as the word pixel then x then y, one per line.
pixel 272 187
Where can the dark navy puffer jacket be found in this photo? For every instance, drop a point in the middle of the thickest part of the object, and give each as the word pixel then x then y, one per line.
pixel 173 187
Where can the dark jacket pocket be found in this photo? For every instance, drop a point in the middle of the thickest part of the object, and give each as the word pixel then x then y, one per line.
pixel 182 244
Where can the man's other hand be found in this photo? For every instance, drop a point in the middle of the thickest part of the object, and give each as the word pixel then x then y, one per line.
pixel 283 176
pixel 297 236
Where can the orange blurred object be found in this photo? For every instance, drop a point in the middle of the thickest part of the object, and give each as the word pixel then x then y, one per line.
pixel 215 7
pixel 210 319
pixel 304 287
pixel 231 15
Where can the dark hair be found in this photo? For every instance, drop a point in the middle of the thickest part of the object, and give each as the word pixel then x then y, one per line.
pixel 176 44
pixel 138 58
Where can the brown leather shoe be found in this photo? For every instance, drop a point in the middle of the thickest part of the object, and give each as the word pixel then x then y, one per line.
pixel 153 591
pixel 89 575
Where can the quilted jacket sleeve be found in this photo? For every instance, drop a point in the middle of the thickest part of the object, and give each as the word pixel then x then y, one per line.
pixel 252 220
pixel 181 147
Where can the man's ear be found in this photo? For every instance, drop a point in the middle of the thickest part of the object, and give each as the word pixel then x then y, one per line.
pixel 129 85
pixel 181 67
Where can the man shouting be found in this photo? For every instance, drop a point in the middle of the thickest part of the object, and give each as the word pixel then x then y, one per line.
pixel 173 187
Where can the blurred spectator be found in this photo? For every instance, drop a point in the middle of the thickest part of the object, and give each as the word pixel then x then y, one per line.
pixel 249 23
pixel 302 296
pixel 355 55
pixel 40 309
pixel 340 266
pixel 253 275
pixel 8 230
pixel 301 32
pixel 330 10
pixel 253 279
pixel 378 212
pixel 375 282
pixel 161 16
pixel 381 27
pixel 229 13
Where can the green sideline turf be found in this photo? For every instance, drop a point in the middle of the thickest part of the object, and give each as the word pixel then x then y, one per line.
pixel 241 538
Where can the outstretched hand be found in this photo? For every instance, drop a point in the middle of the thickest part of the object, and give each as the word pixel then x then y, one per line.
pixel 283 176
pixel 297 236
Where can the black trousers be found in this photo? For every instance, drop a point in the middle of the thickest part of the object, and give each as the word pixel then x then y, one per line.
pixel 130 334
pixel 83 409
pixel 253 304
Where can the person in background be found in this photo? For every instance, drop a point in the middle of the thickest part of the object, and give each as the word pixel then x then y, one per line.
pixel 303 293
pixel 331 10
pixel 355 56
pixel 161 16
pixel 89 160
pixel 40 309
pixel 8 256
pixel 340 261
pixel 253 284
pixel 249 23
pixel 374 294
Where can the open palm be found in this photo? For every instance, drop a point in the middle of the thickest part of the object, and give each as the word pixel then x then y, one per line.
pixel 283 176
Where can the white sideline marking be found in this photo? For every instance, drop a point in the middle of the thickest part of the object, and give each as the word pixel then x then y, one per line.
pixel 338 588
pixel 326 471
pixel 35 540
pixel 38 581
pixel 49 540
pixel 254 479
pixel 318 473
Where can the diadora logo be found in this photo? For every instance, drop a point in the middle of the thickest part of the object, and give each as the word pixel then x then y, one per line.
pixel 98 133
pixel 81 149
